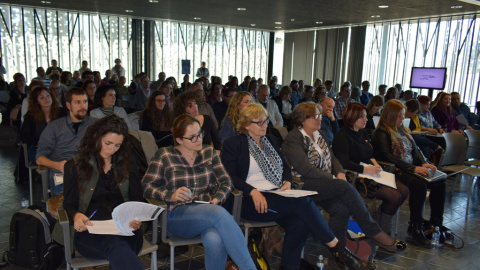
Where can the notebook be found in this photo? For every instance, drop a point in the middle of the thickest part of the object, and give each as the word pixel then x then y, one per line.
pixel 438 175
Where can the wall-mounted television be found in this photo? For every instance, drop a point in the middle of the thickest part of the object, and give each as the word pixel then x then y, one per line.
pixel 430 78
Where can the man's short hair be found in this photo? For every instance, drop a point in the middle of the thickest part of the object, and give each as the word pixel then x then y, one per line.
pixel 38 68
pixel 328 82
pixel 74 91
pixel 293 81
pixel 455 93
pixel 86 73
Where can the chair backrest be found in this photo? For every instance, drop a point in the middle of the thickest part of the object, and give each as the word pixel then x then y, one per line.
pixel 473 150
pixel 283 131
pixel 148 142
pixel 455 151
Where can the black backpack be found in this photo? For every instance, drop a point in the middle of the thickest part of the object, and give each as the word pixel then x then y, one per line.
pixel 30 243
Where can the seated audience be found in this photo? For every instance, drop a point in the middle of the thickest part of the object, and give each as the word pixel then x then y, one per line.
pixel 104 158
pixel 342 102
pixel 157 118
pixel 185 84
pixel 284 104
pixel 427 121
pixel 366 96
pixel 190 172
pixel 392 143
pixel 331 92
pixel 229 124
pixel 319 94
pixel 253 88
pixel 392 93
pixel 143 93
pixel 104 100
pixel 382 89
pixel 203 107
pixel 374 106
pixel 90 88
pixel 307 94
pixel 444 114
pixel 312 160
pixel 255 162
pixel 186 103
pixel 42 108
pixel 356 94
pixel 463 109
pixel 220 108
pixel 351 147
pixel 329 124
pixel 167 88
pixel 263 98
pixel 122 89
pixel 17 94
pixel 407 95
pixel 215 95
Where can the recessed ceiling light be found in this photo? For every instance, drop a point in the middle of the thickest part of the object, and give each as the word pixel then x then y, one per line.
pixel 46 2
pixel 383 6
pixel 197 18
pixel 128 10
pixel 456 7
pixel 375 16
pixel 253 24
pixel 153 1
pixel 241 9
pixel 278 27
pixel 319 22
pixel 278 22
pixel 292 20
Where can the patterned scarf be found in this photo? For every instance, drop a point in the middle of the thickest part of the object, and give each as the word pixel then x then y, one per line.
pixel 398 148
pixel 322 159
pixel 107 110
pixel 268 160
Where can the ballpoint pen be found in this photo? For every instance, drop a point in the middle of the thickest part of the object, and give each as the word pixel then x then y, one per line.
pixel 88 219
pixel 273 211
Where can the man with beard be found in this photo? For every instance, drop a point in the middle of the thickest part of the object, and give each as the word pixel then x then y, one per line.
pixel 60 139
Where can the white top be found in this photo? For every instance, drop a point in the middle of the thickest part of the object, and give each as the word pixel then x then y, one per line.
pixel 256 178
pixel 118 111
pixel 286 107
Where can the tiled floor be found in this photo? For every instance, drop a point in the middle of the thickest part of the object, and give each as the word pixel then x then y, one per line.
pixel 413 258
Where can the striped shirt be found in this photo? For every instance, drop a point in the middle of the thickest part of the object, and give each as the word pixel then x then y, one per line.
pixel 169 171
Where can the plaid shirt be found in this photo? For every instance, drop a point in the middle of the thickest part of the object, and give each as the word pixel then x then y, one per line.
pixel 341 105
pixel 427 120
pixel 168 171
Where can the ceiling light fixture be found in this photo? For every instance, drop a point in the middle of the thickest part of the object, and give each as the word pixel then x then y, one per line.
pixel 456 7
pixel 46 2
pixel 319 22
pixel 278 22
pixel 241 9
pixel 253 24
pixel 128 10
pixel 383 6
pixel 375 16
pixel 153 1
pixel 278 27
pixel 197 18
pixel 292 20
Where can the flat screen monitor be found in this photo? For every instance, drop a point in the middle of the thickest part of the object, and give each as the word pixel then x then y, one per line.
pixel 430 78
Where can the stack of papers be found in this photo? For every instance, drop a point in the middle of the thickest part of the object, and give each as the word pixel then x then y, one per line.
pixel 122 215
pixel 384 178
pixel 292 193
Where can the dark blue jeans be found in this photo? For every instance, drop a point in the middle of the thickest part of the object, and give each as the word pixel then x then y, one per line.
pixel 298 216
pixel 120 251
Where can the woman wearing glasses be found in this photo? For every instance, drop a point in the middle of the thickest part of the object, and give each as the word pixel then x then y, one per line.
pixel 189 173
pixel 255 163
pixel 308 153
pixel 185 103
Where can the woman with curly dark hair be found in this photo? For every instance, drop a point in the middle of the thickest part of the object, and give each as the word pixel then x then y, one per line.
pixel 90 88
pixel 42 108
pixel 157 118
pixel 100 177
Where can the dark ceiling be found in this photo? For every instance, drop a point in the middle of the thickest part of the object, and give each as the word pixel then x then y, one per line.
pixel 292 14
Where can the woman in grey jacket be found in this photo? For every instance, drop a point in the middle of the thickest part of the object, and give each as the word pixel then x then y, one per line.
pixel 308 153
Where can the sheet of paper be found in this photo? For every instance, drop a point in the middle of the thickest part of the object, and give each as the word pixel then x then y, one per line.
pixel 418 132
pixel 406 122
pixel 376 118
pixel 438 135
pixel 293 193
pixel 462 120
pixel 128 211
pixel 105 227
pixel 58 179
pixel 384 178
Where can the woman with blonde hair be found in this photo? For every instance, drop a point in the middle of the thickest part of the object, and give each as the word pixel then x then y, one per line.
pixel 229 123
pixel 392 143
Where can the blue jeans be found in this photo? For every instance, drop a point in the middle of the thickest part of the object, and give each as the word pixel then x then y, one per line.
pixel 220 234
pixel 298 216
pixel 120 251
pixel 56 190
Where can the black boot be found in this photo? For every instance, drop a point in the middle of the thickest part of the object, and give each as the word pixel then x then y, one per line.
pixel 416 236
pixel 345 259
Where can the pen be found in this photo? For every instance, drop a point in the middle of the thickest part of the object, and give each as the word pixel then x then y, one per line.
pixel 201 202
pixel 271 210
pixel 88 219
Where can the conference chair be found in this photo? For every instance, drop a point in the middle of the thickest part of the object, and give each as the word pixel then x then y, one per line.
pixel 473 150
pixel 174 241
pixel 76 261
pixel 453 161
pixel 30 166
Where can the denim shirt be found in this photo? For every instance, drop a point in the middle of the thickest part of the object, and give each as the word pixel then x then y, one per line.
pixel 58 140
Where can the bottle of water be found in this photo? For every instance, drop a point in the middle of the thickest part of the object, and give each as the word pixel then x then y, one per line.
pixel 320 263
pixel 24 202
pixel 436 237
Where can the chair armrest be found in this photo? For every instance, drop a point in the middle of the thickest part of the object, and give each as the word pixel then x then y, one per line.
pixel 386 166
pixel 63 219
pixel 297 183
pixel 237 205
pixel 163 216
pixel 43 171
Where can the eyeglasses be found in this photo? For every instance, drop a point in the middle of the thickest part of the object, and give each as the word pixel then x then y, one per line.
pixel 195 138
pixel 261 123
pixel 317 116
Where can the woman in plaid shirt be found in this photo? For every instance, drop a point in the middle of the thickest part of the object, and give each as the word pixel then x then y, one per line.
pixel 191 179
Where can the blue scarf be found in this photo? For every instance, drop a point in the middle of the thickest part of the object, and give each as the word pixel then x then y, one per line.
pixel 268 160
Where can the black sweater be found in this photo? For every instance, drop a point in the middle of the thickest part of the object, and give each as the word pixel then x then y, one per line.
pixel 352 147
